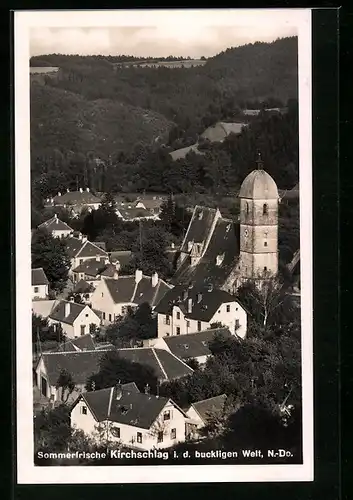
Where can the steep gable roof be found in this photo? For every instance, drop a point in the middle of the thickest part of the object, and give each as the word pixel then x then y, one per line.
pixel 83 343
pixel 74 310
pixel 202 310
pixel 223 244
pixel 134 213
pixel 55 224
pixel 194 345
pixel 133 408
pixel 80 364
pixel 39 277
pixel 76 198
pixel 123 256
pixel 165 364
pixel 125 290
pixel 94 267
pixel 207 407
pixel 82 287
pixel 200 226
pixel 77 247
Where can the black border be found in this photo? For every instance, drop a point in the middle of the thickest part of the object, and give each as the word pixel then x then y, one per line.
pixel 325 259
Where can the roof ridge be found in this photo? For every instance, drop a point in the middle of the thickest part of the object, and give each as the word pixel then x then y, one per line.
pixel 207 399
pixel 160 364
pixel 176 357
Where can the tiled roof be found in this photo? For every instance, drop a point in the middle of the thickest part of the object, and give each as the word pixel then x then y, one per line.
pixel 89 249
pixel 209 406
pixel 94 267
pixel 124 290
pixel 39 277
pixel 81 364
pixel 203 310
pixel 76 247
pixel 58 312
pixel 83 343
pixel 76 198
pixel 134 213
pixel 224 243
pixel 133 408
pixel 179 154
pixel 123 256
pixel 199 227
pixel 82 287
pixel 165 364
pixel 43 307
pixel 55 224
pixel 194 345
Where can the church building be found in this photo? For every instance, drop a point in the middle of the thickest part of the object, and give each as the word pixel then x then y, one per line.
pixel 226 253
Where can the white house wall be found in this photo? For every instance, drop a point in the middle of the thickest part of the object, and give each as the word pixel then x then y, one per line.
pixel 41 293
pixel 128 433
pixel 186 325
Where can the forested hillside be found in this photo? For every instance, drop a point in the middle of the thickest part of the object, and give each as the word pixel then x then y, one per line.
pixel 131 118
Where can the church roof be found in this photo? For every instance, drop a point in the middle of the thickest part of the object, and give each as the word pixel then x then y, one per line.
pixel 200 226
pixel 218 260
pixel 258 185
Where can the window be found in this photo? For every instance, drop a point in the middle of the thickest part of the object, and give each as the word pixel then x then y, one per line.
pixel 123 309
pixel 237 324
pixel 160 437
pixel 83 410
pixel 265 268
pixel 36 289
pixel 188 324
pixel 173 434
pixel 139 437
pixel 44 386
pixel 83 329
pixel 265 243
pixel 178 330
pixel 199 326
pixel 167 320
pixel 81 261
pixel 228 308
pixel 167 334
pixel 247 207
pixel 110 317
pixel 115 432
pixel 166 415
pixel 103 315
pixel 86 315
pixel 265 209
pixel 178 315
pixel 102 294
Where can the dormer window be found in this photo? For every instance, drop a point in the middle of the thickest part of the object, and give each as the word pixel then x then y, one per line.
pixel 265 209
pixel 200 215
pixel 219 259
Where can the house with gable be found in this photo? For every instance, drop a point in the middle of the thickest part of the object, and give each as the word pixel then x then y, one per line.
pixel 81 364
pixel 113 296
pixel 56 227
pixel 126 416
pixel 193 346
pixel 189 309
pixel 40 284
pixel 75 201
pixel 200 412
pixel 75 319
pixel 92 270
pixel 80 249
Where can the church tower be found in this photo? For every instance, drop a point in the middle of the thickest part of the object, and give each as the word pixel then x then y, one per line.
pixel 258 225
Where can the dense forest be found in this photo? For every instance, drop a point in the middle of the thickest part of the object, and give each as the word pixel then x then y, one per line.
pixel 113 127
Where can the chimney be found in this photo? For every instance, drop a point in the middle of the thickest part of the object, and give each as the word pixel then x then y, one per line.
pixel 51 200
pixel 81 190
pixel 199 298
pixel 55 216
pixel 138 276
pixel 84 238
pixel 147 389
pixel 189 305
pixel 118 391
pixel 87 189
pixel 68 190
pixel 72 299
pixel 67 309
pixel 97 258
pixel 59 194
pixel 48 200
pixel 172 245
pixel 154 279
pixel 185 294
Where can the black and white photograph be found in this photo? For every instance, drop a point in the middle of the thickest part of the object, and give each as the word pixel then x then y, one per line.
pixel 163 179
